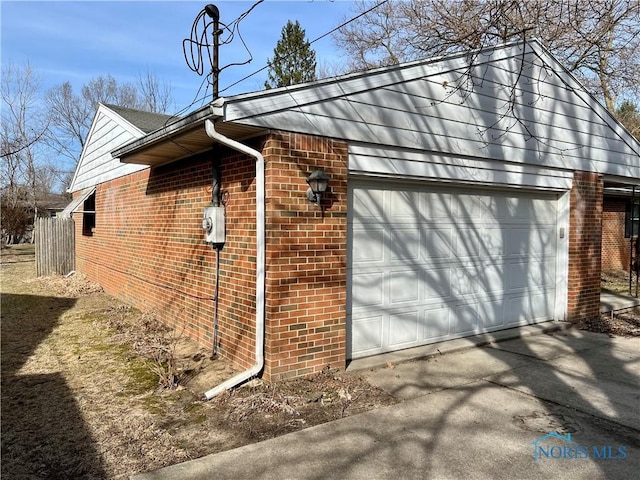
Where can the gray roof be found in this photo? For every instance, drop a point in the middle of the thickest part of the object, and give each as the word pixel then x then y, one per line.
pixel 53 201
pixel 145 121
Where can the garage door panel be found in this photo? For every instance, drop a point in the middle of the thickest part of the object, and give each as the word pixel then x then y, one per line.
pixel 493 241
pixel 530 275
pixel 370 241
pixel 404 206
pixel 436 206
pixel 433 265
pixel 404 286
pixel 437 243
pixel 471 208
pixel 492 315
pixel 467 319
pixel 528 309
pixel 403 329
pixel 436 324
pixel 468 243
pixel 464 280
pixel 367 289
pixel 520 311
pixel 490 279
pixel 368 204
pixel 537 209
pixel 367 333
pixel 403 244
pixel 525 241
pixel 539 306
pixel 436 284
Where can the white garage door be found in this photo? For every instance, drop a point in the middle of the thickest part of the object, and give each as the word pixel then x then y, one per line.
pixel 429 264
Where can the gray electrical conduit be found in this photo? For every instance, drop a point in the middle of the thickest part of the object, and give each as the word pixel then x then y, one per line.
pixel 260 260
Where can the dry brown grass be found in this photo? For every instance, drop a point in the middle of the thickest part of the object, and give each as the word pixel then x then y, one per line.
pixel 84 386
pixel 617 281
pixel 72 285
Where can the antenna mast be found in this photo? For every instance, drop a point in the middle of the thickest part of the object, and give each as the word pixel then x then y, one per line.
pixel 214 13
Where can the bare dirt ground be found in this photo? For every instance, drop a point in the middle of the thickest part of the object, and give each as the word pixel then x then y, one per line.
pixel 94 389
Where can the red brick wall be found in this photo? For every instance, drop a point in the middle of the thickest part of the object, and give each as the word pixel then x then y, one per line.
pixel 306 257
pixel 148 249
pixel 585 241
pixel 615 248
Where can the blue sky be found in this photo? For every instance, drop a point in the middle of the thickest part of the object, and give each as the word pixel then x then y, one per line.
pixel 80 40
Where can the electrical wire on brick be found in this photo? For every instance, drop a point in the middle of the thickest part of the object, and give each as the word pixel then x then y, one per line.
pixel 151 282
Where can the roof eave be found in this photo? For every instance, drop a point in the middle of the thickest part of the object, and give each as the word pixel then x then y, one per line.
pixel 129 151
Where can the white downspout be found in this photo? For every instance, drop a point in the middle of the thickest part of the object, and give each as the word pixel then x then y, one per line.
pixel 260 259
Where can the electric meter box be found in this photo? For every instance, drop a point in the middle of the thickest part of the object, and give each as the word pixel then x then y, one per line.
pixel 213 225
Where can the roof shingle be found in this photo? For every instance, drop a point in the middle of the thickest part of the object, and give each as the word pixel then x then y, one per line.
pixel 145 121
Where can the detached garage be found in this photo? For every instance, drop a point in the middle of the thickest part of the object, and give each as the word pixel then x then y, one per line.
pixel 464 196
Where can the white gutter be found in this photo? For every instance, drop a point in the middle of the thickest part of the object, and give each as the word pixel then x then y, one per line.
pixel 260 259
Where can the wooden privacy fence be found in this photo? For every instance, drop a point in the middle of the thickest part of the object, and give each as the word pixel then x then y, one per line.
pixel 55 246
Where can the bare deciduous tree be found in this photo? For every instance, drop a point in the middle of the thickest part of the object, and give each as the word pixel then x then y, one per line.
pixel 106 89
pixel 39 131
pixel 155 95
pixel 597 40
pixel 22 128
pixel 70 120
pixel 72 113
pixel 24 124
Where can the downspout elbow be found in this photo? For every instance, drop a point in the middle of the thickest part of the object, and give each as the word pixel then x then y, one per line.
pixel 260 260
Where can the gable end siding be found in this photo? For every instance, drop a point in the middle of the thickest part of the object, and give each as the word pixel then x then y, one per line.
pixel 554 121
pixel 96 165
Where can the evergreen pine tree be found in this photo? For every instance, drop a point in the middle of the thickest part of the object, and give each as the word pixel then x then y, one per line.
pixel 629 116
pixel 294 61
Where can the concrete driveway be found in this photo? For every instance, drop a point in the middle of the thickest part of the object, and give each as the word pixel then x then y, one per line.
pixel 569 398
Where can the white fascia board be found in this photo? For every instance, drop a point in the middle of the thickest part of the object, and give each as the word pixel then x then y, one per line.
pixel 560 308
pixel 623 180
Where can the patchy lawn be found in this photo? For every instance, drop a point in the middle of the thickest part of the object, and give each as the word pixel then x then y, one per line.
pixel 94 389
pixel 624 322
pixel 617 281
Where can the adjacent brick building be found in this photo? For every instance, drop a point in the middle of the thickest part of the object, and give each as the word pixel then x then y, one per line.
pixel 618 234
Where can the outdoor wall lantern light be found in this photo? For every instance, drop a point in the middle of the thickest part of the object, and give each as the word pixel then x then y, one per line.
pixel 318 182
